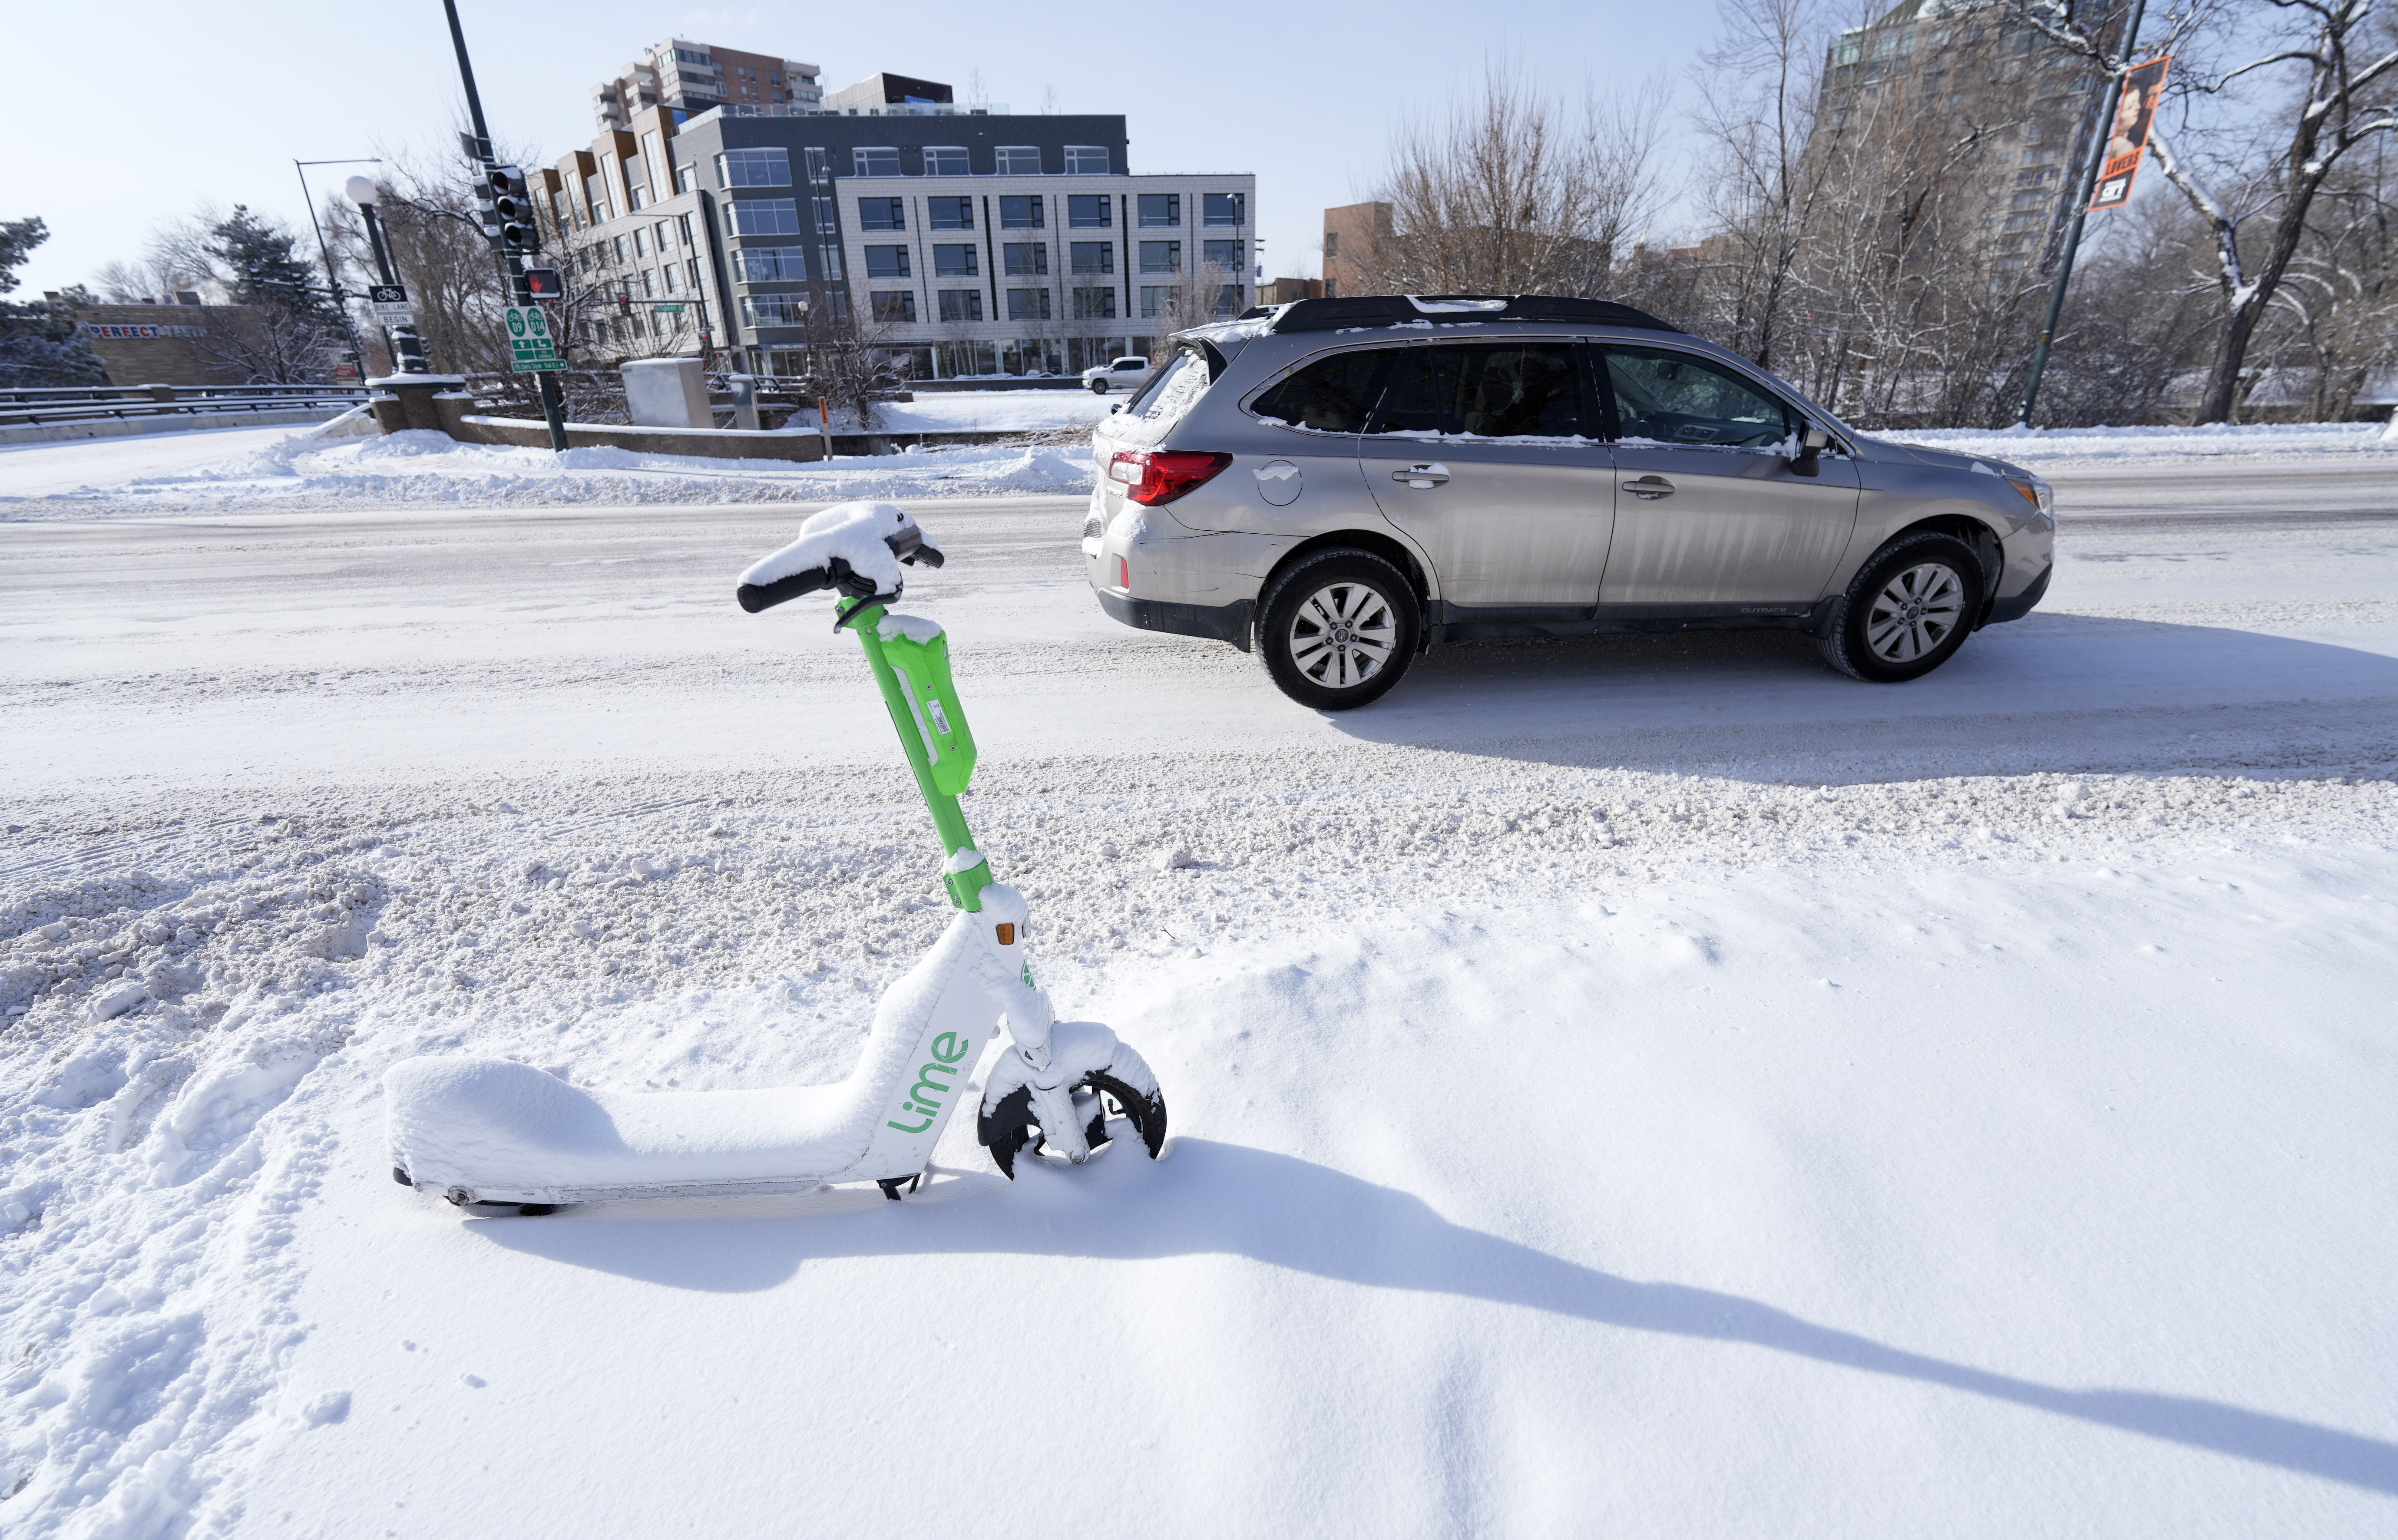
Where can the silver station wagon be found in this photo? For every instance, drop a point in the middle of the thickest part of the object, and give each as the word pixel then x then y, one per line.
pixel 1339 483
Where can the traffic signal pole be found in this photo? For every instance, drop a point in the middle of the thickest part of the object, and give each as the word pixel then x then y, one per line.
pixel 2081 212
pixel 512 268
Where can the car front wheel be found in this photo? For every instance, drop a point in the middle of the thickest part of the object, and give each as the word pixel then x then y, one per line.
pixel 1909 610
pixel 1337 628
pixel 1099 387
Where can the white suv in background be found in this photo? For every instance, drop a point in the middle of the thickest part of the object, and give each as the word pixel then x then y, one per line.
pixel 1126 370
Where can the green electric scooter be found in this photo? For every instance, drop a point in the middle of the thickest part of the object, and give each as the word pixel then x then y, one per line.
pixel 487 1132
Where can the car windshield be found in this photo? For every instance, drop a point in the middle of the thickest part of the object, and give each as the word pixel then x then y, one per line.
pixel 1172 391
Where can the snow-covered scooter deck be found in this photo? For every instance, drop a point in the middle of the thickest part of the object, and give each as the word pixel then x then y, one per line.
pixel 484 1132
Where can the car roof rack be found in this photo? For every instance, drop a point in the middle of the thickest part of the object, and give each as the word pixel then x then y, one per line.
pixel 1383 310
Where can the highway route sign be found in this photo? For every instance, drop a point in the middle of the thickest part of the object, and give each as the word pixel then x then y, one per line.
pixel 531 347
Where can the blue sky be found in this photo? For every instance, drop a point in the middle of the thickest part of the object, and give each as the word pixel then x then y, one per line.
pixel 148 109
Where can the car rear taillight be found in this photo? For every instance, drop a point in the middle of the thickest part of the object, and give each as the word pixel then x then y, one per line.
pixel 1152 476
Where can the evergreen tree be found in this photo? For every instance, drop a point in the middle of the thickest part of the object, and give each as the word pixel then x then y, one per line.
pixel 258 260
pixel 40 344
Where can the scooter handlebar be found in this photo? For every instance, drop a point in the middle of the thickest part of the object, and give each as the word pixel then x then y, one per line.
pixel 912 549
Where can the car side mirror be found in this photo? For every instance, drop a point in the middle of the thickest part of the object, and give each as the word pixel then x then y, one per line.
pixel 1117 408
pixel 1811 445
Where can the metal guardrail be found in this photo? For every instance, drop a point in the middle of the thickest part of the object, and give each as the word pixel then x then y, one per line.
pixel 80 404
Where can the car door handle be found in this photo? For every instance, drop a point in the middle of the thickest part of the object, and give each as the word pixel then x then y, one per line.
pixel 1650 488
pixel 1431 474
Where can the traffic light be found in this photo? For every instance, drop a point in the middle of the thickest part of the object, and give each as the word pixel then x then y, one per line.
pixel 541 283
pixel 508 209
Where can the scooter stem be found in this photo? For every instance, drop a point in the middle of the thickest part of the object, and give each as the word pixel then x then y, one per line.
pixel 865 617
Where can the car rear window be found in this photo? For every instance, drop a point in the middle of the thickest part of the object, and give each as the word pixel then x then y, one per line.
pixel 1171 391
pixel 1490 389
pixel 1671 397
pixel 1332 395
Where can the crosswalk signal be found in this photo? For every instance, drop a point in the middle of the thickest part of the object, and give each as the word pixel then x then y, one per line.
pixel 507 210
pixel 541 283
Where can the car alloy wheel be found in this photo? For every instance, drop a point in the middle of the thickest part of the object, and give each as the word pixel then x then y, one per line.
pixel 1337 628
pixel 1343 634
pixel 1915 612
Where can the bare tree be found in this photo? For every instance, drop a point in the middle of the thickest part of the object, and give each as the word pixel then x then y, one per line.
pixel 2338 63
pixel 1511 192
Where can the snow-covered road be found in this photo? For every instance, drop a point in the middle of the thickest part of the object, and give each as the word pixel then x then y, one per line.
pixel 1644 1084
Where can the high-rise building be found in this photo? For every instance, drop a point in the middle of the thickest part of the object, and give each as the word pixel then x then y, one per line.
pixel 688 77
pixel 1965 101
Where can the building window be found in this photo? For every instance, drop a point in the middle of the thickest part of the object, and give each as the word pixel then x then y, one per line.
pixel 950 213
pixel 594 188
pixel 771 265
pixel 819 168
pixel 836 304
pixel 820 210
pixel 953 261
pixel 829 260
pixel 1163 256
pixel 961 305
pixel 1095 256
pixel 621 249
pixel 1228 299
pixel 773 309
pixel 946 160
pixel 894 306
pixel 666 278
pixel 1332 242
pixel 886 262
pixel 1223 254
pixel 662 233
pixel 1225 207
pixel 639 197
pixel 1161 209
pixel 686 177
pixel 692 267
pixel 1028 304
pixel 880 161
pixel 641 244
pixel 1086 160
pixel 882 214
pixel 649 284
pixel 683 223
pixel 1159 299
pixel 1094 304
pixel 765 216
pixel 754 168
pixel 1089 211
pixel 1018 160
pixel 1026 259
pixel 1020 213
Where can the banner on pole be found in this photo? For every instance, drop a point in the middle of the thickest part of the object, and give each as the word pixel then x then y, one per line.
pixel 2144 91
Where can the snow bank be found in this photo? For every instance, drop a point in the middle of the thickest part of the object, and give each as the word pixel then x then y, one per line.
pixel 2066 448
pixel 420 466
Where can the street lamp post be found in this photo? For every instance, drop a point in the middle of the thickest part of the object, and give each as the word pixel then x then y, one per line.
pixel 408 353
pixel 512 268
pixel 332 276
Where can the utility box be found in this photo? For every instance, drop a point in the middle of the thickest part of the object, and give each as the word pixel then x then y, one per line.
pixel 667 393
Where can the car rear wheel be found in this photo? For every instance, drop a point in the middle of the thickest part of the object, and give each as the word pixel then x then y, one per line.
pixel 1909 610
pixel 1337 628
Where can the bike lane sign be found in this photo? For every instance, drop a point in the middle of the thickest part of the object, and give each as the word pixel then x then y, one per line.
pixel 531 347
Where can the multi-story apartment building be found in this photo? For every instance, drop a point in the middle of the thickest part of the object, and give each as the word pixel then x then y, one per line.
pixel 690 77
pixel 962 241
pixel 1965 99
